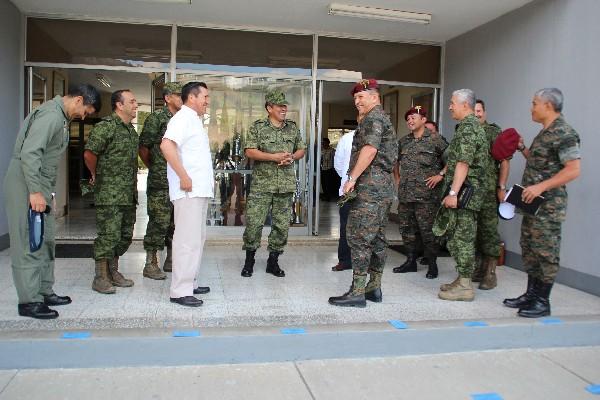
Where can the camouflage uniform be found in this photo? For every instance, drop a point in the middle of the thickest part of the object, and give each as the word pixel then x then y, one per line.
pixel 272 185
pixel 160 209
pixel 115 191
pixel 468 145
pixel 541 234
pixel 419 159
pixel 374 193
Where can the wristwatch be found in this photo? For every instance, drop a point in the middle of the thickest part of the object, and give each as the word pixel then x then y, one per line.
pixel 501 187
pixel 521 148
pixel 442 173
pixel 351 179
pixel 452 193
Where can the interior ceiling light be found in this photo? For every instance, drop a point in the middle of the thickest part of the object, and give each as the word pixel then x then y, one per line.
pixel 103 79
pixel 348 10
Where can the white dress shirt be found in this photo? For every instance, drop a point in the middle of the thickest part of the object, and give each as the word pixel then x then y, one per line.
pixel 341 161
pixel 186 130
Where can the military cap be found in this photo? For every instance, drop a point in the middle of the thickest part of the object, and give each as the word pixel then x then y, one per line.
pixel 364 84
pixel 172 87
pixel 505 144
pixel 444 221
pixel 276 97
pixel 415 110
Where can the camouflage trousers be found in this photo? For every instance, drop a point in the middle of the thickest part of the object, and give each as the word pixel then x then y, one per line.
pixel 461 241
pixel 488 240
pixel 160 220
pixel 114 226
pixel 416 220
pixel 540 247
pixel 257 208
pixel 365 233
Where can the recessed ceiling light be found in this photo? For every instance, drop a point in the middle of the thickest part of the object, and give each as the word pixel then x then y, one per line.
pixel 348 10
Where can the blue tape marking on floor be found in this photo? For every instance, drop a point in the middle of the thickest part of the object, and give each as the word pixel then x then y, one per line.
pixel 398 324
pixel 76 335
pixel 486 396
pixel 186 333
pixel 593 389
pixel 293 331
pixel 551 321
pixel 472 324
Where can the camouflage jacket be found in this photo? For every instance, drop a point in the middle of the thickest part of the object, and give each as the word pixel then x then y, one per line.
pixel 376 130
pixel 469 145
pixel 116 145
pixel 419 159
pixel 151 137
pixel 549 152
pixel 266 175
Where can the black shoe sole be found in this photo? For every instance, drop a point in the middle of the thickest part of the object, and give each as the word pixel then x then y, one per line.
pixel 246 274
pixel 361 305
pixel 186 304
pixel 276 274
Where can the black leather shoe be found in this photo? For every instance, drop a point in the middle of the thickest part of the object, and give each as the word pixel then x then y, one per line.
pixel 540 305
pixel 37 310
pixel 56 300
pixel 432 270
pixel 248 264
pixel 273 265
pixel 340 267
pixel 424 261
pixel 526 298
pixel 201 290
pixel 374 295
pixel 347 300
pixel 410 265
pixel 189 301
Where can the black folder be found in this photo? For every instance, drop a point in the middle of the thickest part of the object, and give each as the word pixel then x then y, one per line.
pixel 515 197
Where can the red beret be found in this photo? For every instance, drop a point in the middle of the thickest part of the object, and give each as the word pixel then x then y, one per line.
pixel 364 84
pixel 415 110
pixel 505 144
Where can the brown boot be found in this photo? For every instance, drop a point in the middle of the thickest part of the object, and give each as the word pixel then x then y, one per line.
pixel 489 280
pixel 168 264
pixel 448 286
pixel 463 291
pixel 151 269
pixel 102 283
pixel 479 271
pixel 117 278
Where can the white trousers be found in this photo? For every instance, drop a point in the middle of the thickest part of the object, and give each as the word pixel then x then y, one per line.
pixel 188 244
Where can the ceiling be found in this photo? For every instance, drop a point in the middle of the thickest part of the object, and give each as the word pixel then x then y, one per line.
pixel 449 18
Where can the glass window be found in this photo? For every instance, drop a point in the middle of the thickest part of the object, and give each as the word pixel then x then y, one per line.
pixel 358 59
pixel 240 51
pixel 98 43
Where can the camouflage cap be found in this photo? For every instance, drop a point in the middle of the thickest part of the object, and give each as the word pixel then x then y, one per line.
pixel 172 87
pixel 276 97
pixel 444 222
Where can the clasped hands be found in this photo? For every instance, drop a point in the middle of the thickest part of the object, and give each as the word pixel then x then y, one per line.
pixel 283 159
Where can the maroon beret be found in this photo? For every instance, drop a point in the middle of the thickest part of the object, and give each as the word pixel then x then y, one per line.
pixel 415 110
pixel 505 144
pixel 364 84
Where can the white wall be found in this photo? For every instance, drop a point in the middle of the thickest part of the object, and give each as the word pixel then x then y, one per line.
pixel 10 101
pixel 550 43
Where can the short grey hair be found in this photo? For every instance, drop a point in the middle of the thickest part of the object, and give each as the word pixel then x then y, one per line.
pixel 465 96
pixel 552 95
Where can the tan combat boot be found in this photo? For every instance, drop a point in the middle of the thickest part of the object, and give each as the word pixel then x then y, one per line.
pixel 479 271
pixel 489 280
pixel 116 277
pixel 168 264
pixel 463 291
pixel 448 286
pixel 102 283
pixel 151 269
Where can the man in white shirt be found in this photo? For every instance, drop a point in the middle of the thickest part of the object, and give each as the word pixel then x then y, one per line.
pixel 190 174
pixel 341 162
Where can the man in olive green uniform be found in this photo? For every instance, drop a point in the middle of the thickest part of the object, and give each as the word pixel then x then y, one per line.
pixel 418 172
pixel 274 143
pixel 488 240
pixel 370 178
pixel 29 182
pixel 468 160
pixel 160 209
pixel 553 160
pixel 111 156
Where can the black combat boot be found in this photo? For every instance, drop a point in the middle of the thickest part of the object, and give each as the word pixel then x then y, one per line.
pixel 249 264
pixel 351 298
pixel 524 299
pixel 410 265
pixel 540 305
pixel 432 270
pixel 273 265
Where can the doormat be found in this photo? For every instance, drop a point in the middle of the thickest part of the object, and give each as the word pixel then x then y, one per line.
pixel 74 250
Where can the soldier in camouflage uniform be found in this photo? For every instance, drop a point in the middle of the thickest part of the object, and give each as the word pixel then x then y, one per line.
pixel 274 143
pixel 111 156
pixel 29 183
pixel 160 209
pixel 488 240
pixel 468 161
pixel 417 174
pixel 374 154
pixel 553 160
